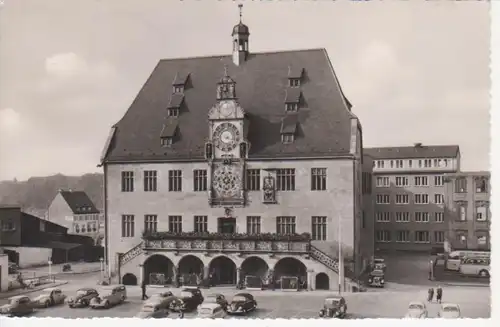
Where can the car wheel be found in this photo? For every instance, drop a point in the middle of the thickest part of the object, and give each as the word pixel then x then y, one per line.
pixel 85 303
pixel 46 304
pixel 484 273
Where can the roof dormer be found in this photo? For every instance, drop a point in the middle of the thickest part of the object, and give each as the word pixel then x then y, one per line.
pixel 179 83
pixel 289 128
pixel 175 105
pixel 295 76
pixel 169 131
pixel 293 99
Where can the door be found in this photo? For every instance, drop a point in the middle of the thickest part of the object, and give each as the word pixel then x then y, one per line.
pixel 227 225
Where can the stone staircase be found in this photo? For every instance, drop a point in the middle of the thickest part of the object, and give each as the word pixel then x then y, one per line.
pixel 332 263
pixel 131 254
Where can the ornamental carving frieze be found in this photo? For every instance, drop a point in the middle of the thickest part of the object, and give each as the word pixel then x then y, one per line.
pixel 269 190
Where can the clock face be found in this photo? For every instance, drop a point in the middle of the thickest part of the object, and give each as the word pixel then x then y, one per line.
pixel 226 137
pixel 226 109
pixel 227 181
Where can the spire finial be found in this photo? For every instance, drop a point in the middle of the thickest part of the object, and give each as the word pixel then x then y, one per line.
pixel 225 70
pixel 240 6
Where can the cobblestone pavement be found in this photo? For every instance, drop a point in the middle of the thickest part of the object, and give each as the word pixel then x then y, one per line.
pixel 386 303
pixel 76 268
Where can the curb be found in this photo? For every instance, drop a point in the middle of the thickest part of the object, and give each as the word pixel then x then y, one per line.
pixel 36 289
pixel 467 284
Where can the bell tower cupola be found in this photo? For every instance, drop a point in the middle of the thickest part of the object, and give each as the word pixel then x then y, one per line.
pixel 240 41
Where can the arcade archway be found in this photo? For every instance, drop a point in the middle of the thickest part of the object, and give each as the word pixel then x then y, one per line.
pixel 129 279
pixel 158 270
pixel 290 267
pixel 322 281
pixel 223 271
pixel 191 270
pixel 254 266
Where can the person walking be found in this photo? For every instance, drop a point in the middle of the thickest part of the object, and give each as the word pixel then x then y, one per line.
pixel 431 295
pixel 143 287
pixel 439 294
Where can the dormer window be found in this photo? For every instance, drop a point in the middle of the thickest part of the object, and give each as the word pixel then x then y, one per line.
pixel 178 89
pixel 175 104
pixel 294 82
pixel 166 141
pixel 293 99
pixel 295 76
pixel 292 107
pixel 289 128
pixel 173 112
pixel 169 131
pixel 287 138
pixel 179 83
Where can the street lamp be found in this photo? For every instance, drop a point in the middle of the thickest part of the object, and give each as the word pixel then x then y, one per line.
pixel 102 268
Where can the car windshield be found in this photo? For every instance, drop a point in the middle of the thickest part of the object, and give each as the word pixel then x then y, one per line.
pixel 13 301
pixel 148 308
pixel 81 292
pixel 450 309
pixel 205 311
pixel 415 306
pixel 378 273
pixel 211 298
pixel 105 293
pixel 332 301
pixel 239 298
pixel 186 294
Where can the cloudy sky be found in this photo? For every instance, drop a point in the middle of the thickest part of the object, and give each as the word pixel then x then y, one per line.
pixel 415 71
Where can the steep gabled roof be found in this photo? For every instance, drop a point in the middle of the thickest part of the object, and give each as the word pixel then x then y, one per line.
pixel 261 86
pixel 79 202
pixel 413 152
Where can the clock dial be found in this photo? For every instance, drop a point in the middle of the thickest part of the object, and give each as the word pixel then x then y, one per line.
pixel 226 137
pixel 226 109
pixel 227 181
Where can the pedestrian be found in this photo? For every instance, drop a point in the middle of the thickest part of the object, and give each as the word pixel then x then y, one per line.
pixel 431 295
pixel 439 294
pixel 143 287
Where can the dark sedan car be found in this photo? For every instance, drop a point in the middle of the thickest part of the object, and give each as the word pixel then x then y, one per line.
pixel 217 298
pixel 82 298
pixel 242 303
pixel 188 300
pixel 376 278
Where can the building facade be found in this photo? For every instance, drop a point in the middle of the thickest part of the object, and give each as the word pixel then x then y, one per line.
pixel 409 195
pixel 247 164
pixel 468 210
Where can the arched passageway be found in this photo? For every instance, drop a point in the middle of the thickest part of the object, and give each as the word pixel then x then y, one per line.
pixel 290 273
pixel 322 281
pixel 191 270
pixel 254 272
pixel 158 270
pixel 129 279
pixel 223 271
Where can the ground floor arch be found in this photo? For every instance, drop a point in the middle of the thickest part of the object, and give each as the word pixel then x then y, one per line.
pixel 158 270
pixel 129 279
pixel 191 270
pixel 290 273
pixel 254 266
pixel 322 281
pixel 223 271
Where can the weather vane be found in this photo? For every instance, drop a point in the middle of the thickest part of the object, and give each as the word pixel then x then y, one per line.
pixel 240 6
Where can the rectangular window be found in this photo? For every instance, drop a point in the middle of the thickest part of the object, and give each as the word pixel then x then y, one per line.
pixel 175 224
pixel 383 236
pixel 285 225
pixel 402 236
pixel 392 163
pixel 383 181
pixel 438 180
pixel 367 183
pixel 422 237
pixel 200 224
pixel 253 225
pixel 292 107
pixel 383 199
pixel 383 217
pixel 410 163
pixel 461 209
pixel 150 223
pixel 439 217
pixel 318 228
pixel 481 185
pixel 439 237
pixel 285 179
pixel 127 181
pixel 420 164
pixel 402 217
pixel 481 211
pixel 167 141
pixel 380 163
pixel 178 89
pixel 128 226
pixel 438 198
pixel 427 163
pixel 200 180
pixel 421 198
pixel 150 181
pixel 461 185
pixel 421 217
pixel 399 163
pixel 294 82
pixel 363 220
pixel 287 138
pixel 402 199
pixel 421 181
pixel 402 181
pixel 175 180
pixel 173 112
pixel 482 239
pixel 318 179
pixel 461 236
pixel 253 179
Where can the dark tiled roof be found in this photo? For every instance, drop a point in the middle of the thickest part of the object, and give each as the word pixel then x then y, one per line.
pixel 289 124
pixel 295 72
pixel 180 79
pixel 176 101
pixel 293 95
pixel 169 127
pixel 261 84
pixel 409 152
pixel 79 202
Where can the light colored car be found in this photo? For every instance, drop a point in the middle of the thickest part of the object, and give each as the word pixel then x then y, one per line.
pixel 449 311
pixel 49 297
pixel 18 306
pixel 417 310
pixel 153 309
pixel 211 310
pixel 109 296
pixel 165 298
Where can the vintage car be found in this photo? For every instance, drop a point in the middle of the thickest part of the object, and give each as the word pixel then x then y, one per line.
pixel 211 310
pixel 242 303
pixel 164 297
pixel 49 297
pixel 153 309
pixel 334 307
pixel 217 298
pixel 82 298
pixel 449 310
pixel 188 300
pixel 417 310
pixel 18 306
pixel 109 296
pixel 379 263
pixel 376 278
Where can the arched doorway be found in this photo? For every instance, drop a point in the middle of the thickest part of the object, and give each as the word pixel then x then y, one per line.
pixel 129 279
pixel 223 271
pixel 191 270
pixel 290 273
pixel 158 270
pixel 322 281
pixel 254 266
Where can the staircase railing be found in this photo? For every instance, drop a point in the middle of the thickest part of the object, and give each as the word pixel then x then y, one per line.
pixel 331 263
pixel 131 254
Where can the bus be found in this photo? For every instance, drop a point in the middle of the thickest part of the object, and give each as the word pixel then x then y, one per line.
pixel 455 257
pixel 475 267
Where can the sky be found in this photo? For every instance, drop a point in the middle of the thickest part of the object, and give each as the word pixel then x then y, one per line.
pixel 415 71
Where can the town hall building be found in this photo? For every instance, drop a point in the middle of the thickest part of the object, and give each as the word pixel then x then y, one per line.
pixel 239 165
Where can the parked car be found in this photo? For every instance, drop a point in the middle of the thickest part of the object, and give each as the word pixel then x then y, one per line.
pixel 18 306
pixel 217 298
pixel 379 263
pixel 109 296
pixel 153 309
pixel 417 310
pixel 82 298
pixel 49 297
pixel 242 303
pixel 449 311
pixel 335 306
pixel 211 310
pixel 376 278
pixel 188 300
pixel 165 298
